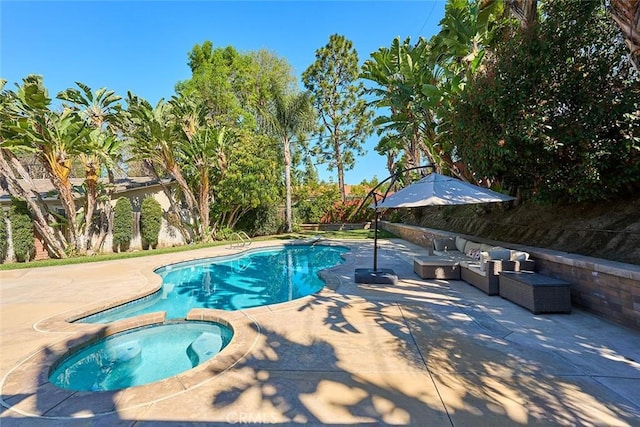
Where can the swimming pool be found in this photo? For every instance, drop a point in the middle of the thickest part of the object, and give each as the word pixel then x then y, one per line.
pixel 255 278
pixel 140 356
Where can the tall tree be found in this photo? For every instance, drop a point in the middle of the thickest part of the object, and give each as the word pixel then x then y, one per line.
pixel 56 139
pixel 153 135
pixel 338 96
pixel 556 113
pixel 102 112
pixel 202 152
pixel 406 85
pixel 290 115
pixel 222 78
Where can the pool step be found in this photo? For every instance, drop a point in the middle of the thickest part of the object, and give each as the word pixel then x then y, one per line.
pixel 122 358
pixel 204 347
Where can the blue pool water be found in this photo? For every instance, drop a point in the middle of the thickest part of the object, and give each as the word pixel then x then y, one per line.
pixel 140 356
pixel 258 277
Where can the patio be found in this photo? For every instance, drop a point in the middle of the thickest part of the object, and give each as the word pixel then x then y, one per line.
pixel 422 352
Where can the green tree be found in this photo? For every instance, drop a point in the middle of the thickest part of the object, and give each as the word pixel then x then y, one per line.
pixel 122 225
pixel 222 78
pixel 153 137
pixel 290 115
pixel 103 113
pixel 338 99
pixel 203 151
pixel 406 81
pixel 556 113
pixel 253 178
pixel 150 221
pixel 55 139
pixel 22 236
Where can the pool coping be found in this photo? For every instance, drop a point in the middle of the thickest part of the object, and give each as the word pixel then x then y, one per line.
pixel 31 374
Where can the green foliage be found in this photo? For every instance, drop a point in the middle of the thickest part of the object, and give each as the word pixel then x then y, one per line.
pixel 556 113
pixel 122 224
pixel 24 246
pixel 314 202
pixel 338 99
pixel 4 236
pixel 345 212
pixel 150 222
pixel 253 178
pixel 264 220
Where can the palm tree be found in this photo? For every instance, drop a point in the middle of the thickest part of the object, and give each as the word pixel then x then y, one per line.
pixel 626 13
pixel 10 145
pixel 103 113
pixel 407 84
pixel 155 137
pixel 56 139
pixel 289 116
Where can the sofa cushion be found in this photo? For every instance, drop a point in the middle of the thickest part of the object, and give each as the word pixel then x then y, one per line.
pixel 485 247
pixel 444 244
pixel 475 267
pixel 460 243
pixel 498 252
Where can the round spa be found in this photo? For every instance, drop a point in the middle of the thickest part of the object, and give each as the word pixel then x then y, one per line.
pixel 140 356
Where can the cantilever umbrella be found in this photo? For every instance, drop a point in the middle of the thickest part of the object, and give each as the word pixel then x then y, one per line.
pixel 433 190
pixel 439 190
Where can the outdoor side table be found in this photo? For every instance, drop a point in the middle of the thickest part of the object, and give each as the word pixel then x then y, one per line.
pixel 433 267
pixel 536 292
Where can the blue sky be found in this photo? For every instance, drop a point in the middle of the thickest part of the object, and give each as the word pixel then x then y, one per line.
pixel 142 46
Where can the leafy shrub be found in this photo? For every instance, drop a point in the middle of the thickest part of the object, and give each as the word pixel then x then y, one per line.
pixel 346 212
pixel 264 220
pixel 150 222
pixel 4 242
pixel 313 202
pixel 555 116
pixel 24 246
pixel 122 225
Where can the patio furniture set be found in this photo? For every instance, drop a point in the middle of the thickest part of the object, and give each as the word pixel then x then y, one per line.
pixel 496 271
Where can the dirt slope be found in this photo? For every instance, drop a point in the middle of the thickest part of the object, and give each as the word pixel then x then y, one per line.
pixel 609 230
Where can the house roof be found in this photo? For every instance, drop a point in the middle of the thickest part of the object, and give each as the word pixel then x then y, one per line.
pixel 46 190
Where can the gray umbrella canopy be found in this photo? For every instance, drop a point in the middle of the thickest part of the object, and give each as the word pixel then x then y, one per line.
pixel 439 190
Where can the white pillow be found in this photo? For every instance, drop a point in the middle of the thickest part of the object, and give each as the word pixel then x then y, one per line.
pixel 460 243
pixel 519 256
pixel 474 253
pixel 484 257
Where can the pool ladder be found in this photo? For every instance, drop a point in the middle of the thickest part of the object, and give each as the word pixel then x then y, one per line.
pixel 239 239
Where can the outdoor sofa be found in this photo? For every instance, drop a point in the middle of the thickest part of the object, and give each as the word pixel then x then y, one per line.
pixel 480 263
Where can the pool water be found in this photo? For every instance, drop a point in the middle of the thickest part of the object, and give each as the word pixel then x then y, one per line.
pixel 256 278
pixel 140 356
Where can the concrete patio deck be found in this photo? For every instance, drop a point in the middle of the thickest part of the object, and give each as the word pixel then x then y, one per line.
pixel 421 352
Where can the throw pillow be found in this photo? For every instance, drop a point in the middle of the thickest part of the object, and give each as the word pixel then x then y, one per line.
pixel 444 244
pixel 474 253
pixel 484 257
pixel 460 243
pixel 519 256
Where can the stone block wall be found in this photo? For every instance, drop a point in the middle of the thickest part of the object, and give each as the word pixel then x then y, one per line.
pixel 608 289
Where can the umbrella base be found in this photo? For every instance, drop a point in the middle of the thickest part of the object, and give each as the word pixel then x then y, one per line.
pixel 384 276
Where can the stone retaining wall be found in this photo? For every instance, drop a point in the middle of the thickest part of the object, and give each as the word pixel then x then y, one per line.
pixel 606 288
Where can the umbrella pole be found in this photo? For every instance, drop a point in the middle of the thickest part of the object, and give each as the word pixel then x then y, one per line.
pixel 375 242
